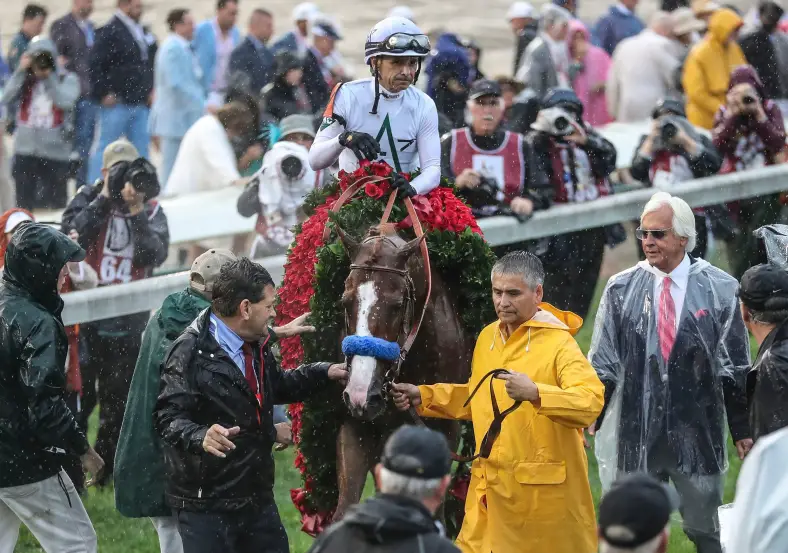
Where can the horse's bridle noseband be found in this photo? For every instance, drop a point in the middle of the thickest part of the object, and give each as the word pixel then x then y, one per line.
pixel 407 320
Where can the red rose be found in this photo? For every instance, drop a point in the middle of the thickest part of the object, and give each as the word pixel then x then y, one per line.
pixel 373 190
pixel 380 169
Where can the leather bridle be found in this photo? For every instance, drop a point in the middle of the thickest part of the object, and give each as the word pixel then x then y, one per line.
pixel 411 329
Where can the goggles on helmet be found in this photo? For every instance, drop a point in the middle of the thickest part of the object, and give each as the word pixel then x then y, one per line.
pixel 401 43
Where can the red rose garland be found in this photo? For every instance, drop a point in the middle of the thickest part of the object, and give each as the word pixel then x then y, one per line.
pixel 440 209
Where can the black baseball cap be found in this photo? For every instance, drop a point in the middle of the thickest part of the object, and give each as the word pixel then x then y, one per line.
pixel 484 87
pixel 635 510
pixel 417 452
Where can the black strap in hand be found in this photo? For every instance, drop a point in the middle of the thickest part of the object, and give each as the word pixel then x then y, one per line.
pixel 361 144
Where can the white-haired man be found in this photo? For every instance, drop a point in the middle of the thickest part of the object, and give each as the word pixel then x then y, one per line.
pixel 384 117
pixel 545 63
pixel 670 346
pixel 412 478
pixel 529 490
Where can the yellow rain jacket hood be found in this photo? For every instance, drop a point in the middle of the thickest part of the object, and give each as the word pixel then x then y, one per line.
pixel 532 495
pixel 708 68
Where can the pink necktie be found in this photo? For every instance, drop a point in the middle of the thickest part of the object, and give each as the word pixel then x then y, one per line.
pixel 666 324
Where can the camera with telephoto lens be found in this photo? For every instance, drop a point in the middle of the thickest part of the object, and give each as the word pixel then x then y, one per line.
pixel 140 173
pixel 668 130
pixel 292 167
pixel 42 60
pixel 555 121
pixel 486 200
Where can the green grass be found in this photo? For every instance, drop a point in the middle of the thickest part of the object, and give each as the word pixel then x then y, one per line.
pixel 117 534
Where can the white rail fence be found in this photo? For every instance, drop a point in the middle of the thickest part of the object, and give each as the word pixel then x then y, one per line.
pixel 145 295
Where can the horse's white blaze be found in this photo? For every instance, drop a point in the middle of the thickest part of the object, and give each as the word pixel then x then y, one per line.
pixel 362 368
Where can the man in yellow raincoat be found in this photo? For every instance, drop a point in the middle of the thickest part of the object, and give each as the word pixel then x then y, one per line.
pixel 531 494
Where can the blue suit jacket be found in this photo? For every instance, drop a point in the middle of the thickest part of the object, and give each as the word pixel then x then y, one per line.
pixel 204 44
pixel 287 43
pixel 180 96
pixel 257 65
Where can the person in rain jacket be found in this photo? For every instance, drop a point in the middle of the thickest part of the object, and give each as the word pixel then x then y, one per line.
pixel 749 133
pixel 412 478
pixel 36 425
pixel 670 346
pixel 44 95
pixel 449 76
pixel 764 304
pixel 139 462
pixel 708 67
pixel 285 95
pixel 531 493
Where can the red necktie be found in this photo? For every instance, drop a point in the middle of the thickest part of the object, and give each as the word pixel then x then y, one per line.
pixel 251 377
pixel 666 323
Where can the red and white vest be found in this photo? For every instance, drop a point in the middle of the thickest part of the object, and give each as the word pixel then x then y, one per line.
pixel 112 255
pixel 505 165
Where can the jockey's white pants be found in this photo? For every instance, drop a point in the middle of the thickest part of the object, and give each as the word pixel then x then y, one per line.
pixel 52 511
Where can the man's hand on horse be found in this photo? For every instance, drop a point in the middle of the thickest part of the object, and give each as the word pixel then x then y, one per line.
pixel 405 396
pixel 284 435
pixel 295 327
pixel 217 440
pixel 361 144
pixel 338 372
pixel 520 387
pixel 402 186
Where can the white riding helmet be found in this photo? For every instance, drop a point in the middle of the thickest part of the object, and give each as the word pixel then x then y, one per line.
pixel 396 36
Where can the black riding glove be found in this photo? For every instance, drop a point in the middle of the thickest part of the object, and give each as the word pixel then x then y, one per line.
pixel 361 144
pixel 402 186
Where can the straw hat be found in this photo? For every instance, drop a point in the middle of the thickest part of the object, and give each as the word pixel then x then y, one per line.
pixel 683 22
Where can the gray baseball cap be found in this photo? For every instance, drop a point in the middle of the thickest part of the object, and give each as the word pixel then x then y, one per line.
pixel 298 123
pixel 206 268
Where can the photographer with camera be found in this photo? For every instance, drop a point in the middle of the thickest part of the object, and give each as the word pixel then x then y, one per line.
pixel 577 162
pixel 672 153
pixel 749 133
pixel 492 167
pixel 277 191
pixel 216 149
pixel 44 95
pixel 124 231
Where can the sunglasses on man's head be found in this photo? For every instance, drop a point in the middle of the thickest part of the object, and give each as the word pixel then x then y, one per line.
pixel 659 234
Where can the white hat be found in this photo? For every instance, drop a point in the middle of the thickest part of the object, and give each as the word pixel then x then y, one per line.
pixel 402 11
pixel 15 219
pixel 683 22
pixel 520 9
pixel 305 11
pixel 388 27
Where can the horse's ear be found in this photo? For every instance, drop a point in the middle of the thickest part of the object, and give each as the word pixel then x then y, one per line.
pixel 408 249
pixel 351 246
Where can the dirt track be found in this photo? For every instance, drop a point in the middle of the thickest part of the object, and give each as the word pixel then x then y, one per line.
pixel 482 20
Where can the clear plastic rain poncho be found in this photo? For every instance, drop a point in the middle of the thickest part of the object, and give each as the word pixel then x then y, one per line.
pixel 653 407
pixel 775 240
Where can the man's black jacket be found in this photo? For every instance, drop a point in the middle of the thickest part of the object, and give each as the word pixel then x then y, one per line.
pixel 387 523
pixel 118 67
pixel 767 384
pixel 202 386
pixel 34 418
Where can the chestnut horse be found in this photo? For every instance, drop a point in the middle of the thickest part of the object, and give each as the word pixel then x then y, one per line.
pixel 384 297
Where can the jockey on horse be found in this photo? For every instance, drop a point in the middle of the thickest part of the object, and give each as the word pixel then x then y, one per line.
pixel 384 117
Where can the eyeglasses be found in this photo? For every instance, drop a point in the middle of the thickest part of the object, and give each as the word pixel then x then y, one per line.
pixel 658 234
pixel 402 42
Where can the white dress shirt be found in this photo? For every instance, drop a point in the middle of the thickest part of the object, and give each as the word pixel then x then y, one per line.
pixel 679 278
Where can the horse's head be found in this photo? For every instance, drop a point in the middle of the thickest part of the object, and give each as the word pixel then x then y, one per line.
pixel 379 303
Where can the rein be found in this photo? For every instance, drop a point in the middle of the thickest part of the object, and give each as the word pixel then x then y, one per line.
pixel 495 426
